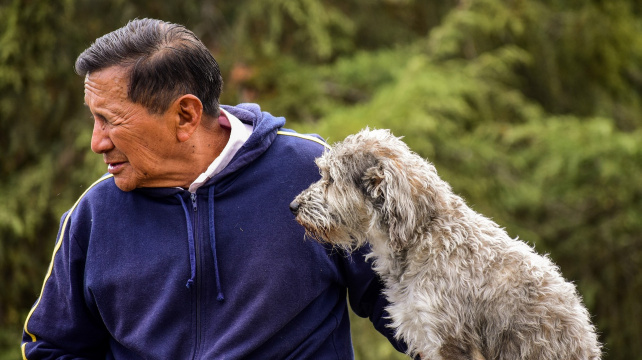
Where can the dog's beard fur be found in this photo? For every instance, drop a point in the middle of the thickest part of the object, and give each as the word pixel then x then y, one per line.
pixel 329 217
pixel 375 189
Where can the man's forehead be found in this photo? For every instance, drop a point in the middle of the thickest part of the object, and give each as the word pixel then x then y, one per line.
pixel 85 87
pixel 110 82
pixel 113 74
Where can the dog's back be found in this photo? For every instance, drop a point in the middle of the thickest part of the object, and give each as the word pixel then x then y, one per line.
pixel 488 295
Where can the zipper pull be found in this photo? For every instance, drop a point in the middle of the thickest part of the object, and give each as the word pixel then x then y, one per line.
pixel 193 197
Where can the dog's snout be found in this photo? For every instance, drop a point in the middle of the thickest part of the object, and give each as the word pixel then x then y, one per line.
pixel 294 207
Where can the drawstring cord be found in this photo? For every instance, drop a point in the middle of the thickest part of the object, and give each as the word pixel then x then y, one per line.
pixel 192 251
pixel 220 296
pixel 190 240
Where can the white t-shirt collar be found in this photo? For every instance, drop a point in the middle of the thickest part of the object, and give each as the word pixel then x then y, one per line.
pixel 239 134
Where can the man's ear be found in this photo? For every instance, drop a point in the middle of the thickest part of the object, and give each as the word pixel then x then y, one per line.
pixel 189 110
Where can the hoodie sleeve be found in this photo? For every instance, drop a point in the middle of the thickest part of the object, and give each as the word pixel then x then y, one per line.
pixel 366 296
pixel 60 325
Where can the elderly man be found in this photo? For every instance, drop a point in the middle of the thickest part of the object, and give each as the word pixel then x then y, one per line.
pixel 187 248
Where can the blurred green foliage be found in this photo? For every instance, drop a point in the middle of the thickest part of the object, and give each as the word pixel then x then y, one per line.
pixel 530 109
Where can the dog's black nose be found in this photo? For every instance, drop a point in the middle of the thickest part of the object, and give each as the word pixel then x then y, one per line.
pixel 294 207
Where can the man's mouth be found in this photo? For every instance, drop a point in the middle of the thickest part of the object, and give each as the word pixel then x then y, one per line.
pixel 114 167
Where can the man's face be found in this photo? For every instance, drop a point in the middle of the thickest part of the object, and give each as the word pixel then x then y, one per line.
pixel 135 144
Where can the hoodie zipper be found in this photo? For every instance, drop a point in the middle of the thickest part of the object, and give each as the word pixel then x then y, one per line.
pixel 198 277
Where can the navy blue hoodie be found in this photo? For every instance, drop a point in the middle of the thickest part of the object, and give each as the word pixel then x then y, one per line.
pixel 224 273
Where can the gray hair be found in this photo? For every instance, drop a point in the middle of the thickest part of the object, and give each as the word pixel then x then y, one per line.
pixel 165 61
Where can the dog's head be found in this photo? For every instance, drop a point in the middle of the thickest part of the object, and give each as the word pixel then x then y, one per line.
pixel 372 186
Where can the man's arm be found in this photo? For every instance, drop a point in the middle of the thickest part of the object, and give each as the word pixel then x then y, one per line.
pixel 366 296
pixel 60 324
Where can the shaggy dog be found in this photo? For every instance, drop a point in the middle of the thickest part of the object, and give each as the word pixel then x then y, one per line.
pixel 458 285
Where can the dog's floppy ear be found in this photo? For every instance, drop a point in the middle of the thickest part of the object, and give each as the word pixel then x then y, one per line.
pixel 373 179
pixel 388 187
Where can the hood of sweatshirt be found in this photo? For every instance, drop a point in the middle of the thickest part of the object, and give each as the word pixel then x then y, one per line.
pixel 264 132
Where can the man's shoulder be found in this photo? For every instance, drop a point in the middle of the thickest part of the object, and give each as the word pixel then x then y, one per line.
pixel 99 188
pixel 312 140
pixel 102 194
pixel 87 201
pixel 304 146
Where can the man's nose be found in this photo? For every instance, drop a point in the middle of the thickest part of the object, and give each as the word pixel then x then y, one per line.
pixel 100 141
pixel 294 207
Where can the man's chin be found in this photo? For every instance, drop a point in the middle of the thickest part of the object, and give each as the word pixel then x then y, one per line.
pixel 124 184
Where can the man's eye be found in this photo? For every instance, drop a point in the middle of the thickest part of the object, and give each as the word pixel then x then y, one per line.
pixel 101 119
